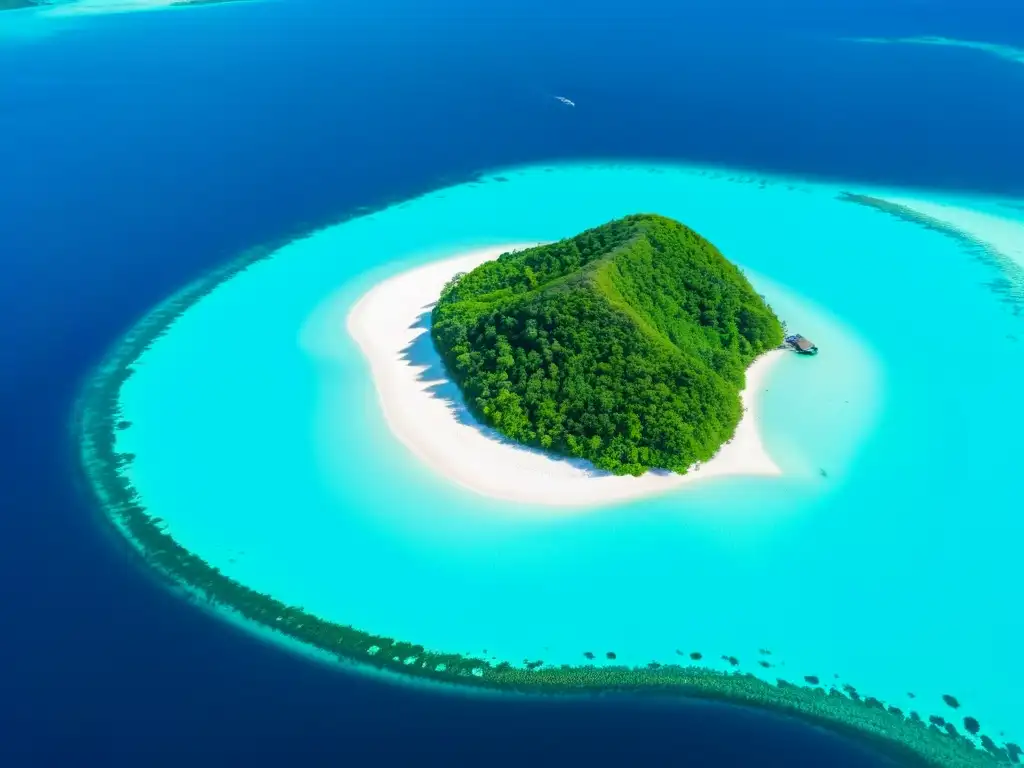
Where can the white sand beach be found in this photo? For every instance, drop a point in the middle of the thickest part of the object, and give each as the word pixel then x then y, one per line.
pixel 423 410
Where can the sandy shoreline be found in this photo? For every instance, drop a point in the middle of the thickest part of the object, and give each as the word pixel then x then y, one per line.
pixel 420 405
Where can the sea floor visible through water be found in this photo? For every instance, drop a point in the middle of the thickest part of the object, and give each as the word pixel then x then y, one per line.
pixel 883 558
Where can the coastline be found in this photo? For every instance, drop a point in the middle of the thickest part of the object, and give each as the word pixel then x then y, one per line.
pixel 424 411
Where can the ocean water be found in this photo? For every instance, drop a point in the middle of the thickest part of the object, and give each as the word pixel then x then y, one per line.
pixel 140 151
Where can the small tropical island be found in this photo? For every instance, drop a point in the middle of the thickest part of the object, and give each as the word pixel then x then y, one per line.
pixel 626 345
pixel 392 325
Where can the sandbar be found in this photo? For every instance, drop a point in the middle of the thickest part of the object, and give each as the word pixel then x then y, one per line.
pixel 1003 235
pixel 423 409
pixel 86 7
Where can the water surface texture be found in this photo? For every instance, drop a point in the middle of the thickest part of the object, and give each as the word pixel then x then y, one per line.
pixel 141 151
pixel 883 559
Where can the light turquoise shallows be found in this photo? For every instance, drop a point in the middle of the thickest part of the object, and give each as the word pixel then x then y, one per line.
pixel 260 442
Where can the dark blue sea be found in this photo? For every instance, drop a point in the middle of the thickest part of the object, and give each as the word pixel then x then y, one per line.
pixel 139 150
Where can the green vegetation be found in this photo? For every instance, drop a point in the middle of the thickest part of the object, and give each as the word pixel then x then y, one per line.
pixel 626 345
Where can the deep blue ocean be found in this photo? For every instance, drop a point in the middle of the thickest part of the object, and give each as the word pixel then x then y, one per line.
pixel 137 151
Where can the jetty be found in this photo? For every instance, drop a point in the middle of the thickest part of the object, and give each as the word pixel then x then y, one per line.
pixel 802 344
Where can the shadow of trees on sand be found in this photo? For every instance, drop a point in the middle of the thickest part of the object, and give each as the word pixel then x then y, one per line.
pixel 422 355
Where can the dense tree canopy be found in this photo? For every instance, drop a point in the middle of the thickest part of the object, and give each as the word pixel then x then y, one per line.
pixel 626 345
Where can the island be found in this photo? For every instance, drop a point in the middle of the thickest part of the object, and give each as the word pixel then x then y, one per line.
pixel 392 325
pixel 626 345
pixel 425 409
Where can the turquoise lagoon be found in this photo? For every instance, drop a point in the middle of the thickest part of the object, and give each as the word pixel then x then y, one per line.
pixel 887 557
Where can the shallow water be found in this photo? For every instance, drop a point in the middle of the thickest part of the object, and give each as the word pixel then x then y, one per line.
pixel 260 443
